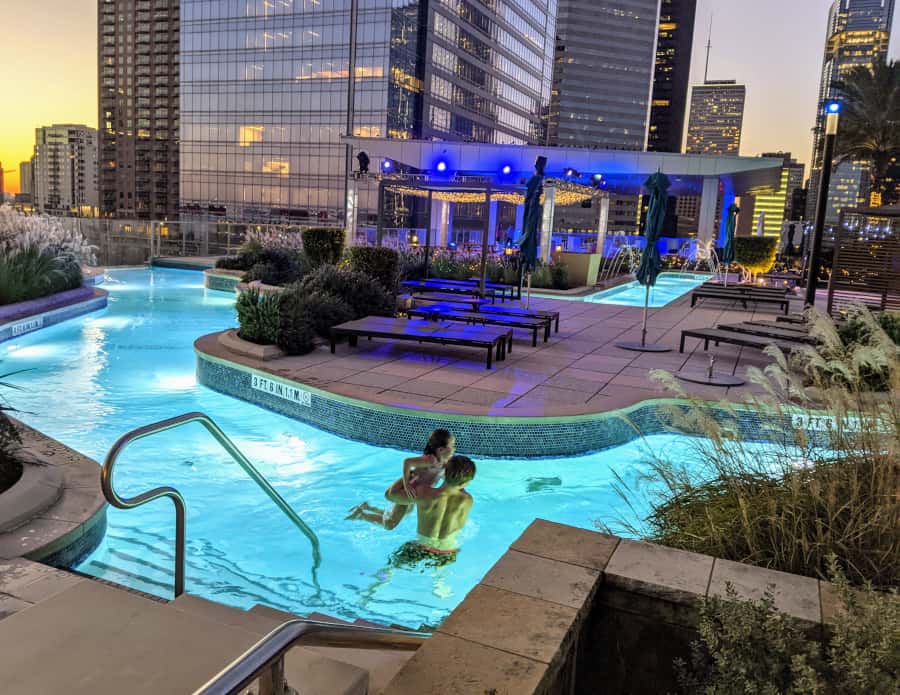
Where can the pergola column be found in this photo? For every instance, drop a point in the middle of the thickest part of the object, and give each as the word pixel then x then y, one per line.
pixel 351 211
pixel 492 221
pixel 706 224
pixel 547 222
pixel 440 221
pixel 602 222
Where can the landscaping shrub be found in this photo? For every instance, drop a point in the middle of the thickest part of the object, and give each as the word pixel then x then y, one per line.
pixel 258 317
pixel 559 274
pixel 327 310
pixel 10 468
pixel 827 484
pixel 242 261
pixel 365 295
pixel 31 272
pixel 376 262
pixel 323 245
pixel 411 264
pixel 277 267
pixel 749 647
pixel 756 253
pixel 296 335
pixel 283 238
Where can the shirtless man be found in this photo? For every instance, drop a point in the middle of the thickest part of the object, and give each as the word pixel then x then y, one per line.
pixel 441 514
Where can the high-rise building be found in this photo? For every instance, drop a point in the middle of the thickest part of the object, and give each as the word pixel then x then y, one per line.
pixel 775 206
pixel 264 92
pixel 674 44
pixel 65 169
pixel 26 177
pixel 716 118
pixel 603 73
pixel 137 57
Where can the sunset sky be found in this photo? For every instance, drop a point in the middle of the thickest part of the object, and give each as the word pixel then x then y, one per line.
pixel 49 71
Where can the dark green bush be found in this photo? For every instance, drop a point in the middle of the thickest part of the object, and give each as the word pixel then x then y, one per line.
pixel 559 274
pixel 411 264
pixel 323 245
pixel 376 262
pixel 325 311
pixel 365 295
pixel 277 267
pixel 32 273
pixel 10 468
pixel 756 253
pixel 296 334
pixel 258 317
pixel 242 261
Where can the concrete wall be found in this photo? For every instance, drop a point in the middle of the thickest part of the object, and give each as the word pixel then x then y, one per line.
pixel 567 610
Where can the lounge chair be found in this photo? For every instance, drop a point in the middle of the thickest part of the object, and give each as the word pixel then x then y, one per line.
pixel 743 297
pixel 450 288
pixel 502 289
pixel 440 297
pixel 768 332
pixel 437 312
pixel 719 335
pixel 518 311
pixel 484 337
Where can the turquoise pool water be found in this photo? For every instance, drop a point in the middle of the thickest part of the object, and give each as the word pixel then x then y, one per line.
pixel 91 379
pixel 668 288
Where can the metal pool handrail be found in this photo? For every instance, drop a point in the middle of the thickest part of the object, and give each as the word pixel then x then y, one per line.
pixel 113 497
pixel 270 650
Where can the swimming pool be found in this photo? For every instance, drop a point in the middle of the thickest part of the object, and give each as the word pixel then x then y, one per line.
pixel 668 288
pixel 92 378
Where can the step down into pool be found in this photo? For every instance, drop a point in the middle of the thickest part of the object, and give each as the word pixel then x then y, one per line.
pixel 93 639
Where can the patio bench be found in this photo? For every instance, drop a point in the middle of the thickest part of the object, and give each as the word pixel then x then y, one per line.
pixel 743 297
pixel 451 313
pixel 490 338
pixel 440 297
pixel 718 335
pixel 501 289
pixel 768 332
pixel 449 288
pixel 518 311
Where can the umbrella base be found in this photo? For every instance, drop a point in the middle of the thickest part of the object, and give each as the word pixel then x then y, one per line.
pixel 649 347
pixel 714 379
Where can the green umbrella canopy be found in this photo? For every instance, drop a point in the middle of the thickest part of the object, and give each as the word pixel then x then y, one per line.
pixel 730 223
pixel 528 246
pixel 651 264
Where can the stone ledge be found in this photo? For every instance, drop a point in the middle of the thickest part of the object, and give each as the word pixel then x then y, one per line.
pixel 74 525
pixel 233 342
pixel 27 317
pixel 38 489
pixel 562 594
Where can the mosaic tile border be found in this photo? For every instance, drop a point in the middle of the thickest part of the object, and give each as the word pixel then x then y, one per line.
pixel 221 283
pixel 24 326
pixel 496 437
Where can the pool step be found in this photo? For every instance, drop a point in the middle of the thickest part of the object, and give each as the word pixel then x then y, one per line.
pixel 94 639
pixel 307 670
pixel 382 665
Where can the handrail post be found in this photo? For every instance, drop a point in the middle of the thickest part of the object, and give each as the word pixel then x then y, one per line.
pixel 180 538
pixel 271 680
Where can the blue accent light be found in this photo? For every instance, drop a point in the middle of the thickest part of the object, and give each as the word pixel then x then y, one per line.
pixel 507 169
pixel 597 178
pixel 441 166
pixel 387 165
pixel 833 107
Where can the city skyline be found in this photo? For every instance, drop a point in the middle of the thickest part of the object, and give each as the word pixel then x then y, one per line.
pixel 781 84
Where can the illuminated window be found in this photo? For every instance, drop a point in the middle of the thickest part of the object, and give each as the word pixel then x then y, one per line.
pixel 250 134
pixel 276 166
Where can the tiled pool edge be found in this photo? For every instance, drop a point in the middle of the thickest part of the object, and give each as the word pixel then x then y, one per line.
pixel 42 319
pixel 221 281
pixel 496 437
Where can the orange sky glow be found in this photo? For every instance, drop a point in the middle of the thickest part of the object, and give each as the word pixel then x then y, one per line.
pixel 48 71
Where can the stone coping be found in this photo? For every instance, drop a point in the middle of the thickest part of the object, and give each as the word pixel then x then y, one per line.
pixel 405 426
pixel 233 342
pixel 47 311
pixel 516 632
pixel 69 529
pixel 34 492
pixel 185 262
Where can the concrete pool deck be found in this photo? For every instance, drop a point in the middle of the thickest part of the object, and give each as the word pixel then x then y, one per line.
pixel 579 371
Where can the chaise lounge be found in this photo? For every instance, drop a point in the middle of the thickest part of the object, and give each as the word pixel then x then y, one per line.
pixel 437 312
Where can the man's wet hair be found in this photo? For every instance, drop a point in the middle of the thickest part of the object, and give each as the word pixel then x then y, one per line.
pixel 459 470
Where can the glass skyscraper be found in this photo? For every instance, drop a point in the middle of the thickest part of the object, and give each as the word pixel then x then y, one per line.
pixel 264 91
pixel 717 118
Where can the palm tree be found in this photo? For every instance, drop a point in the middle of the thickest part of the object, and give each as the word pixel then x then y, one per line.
pixel 870 126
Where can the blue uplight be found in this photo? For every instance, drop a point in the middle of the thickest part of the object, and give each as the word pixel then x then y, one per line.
pixel 441 165
pixel 386 165
pixel 597 178
pixel 833 107
pixel 506 169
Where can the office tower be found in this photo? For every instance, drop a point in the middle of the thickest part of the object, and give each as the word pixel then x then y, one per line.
pixel 603 73
pixel 716 118
pixel 796 174
pixel 674 44
pixel 26 177
pixel 138 106
pixel 776 205
pixel 264 92
pixel 65 169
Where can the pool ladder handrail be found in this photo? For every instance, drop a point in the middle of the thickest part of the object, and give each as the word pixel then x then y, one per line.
pixel 269 653
pixel 116 500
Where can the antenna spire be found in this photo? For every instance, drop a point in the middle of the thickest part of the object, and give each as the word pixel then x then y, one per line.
pixel 708 49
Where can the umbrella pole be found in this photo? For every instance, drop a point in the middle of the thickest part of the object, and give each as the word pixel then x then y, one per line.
pixel 528 291
pixel 644 323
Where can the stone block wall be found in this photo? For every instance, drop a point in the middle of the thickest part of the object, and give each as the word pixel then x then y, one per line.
pixel 567 610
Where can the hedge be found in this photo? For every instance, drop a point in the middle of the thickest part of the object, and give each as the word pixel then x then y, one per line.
pixel 379 263
pixel 756 253
pixel 323 245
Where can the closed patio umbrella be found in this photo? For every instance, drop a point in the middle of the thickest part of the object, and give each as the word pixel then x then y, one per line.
pixel 651 263
pixel 728 251
pixel 528 246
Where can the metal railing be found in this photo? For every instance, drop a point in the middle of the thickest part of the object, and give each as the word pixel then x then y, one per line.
pixel 269 653
pixel 113 497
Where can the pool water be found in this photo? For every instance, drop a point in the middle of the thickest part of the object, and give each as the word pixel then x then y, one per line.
pixel 668 288
pixel 91 379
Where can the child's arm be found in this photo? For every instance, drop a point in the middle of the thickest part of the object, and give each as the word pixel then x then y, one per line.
pixel 413 463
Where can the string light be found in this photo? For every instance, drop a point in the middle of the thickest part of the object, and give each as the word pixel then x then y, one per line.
pixel 564 198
